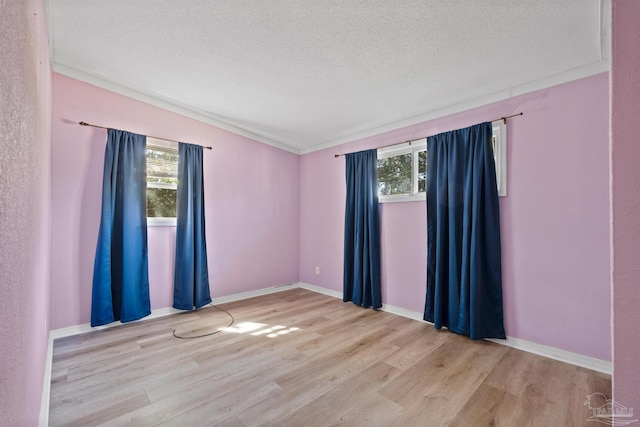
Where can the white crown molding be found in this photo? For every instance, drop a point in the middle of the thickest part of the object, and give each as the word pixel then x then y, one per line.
pixel 59 66
pixel 557 79
pixel 49 29
pixel 72 70
pixel 167 104
pixel 605 29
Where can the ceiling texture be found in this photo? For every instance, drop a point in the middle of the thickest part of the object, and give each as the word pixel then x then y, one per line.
pixel 303 75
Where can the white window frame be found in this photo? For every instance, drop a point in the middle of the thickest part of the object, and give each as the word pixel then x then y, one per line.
pixel 161 221
pixel 499 132
pixel 414 148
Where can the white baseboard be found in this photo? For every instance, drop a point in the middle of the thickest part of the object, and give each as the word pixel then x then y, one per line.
pixel 320 290
pixel 558 354
pixel 161 312
pixel 415 315
pixel 539 349
pixel 256 293
pixel 517 343
pixel 86 327
pixel 43 419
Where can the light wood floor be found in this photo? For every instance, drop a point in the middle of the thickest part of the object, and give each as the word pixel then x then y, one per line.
pixel 298 358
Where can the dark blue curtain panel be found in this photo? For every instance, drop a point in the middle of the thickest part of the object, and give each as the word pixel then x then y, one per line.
pixel 191 277
pixel 464 269
pixel 121 273
pixel 361 279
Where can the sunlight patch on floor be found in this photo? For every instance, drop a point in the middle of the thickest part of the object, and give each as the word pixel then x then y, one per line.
pixel 258 329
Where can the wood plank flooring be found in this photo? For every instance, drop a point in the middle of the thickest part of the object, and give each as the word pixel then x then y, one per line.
pixel 298 358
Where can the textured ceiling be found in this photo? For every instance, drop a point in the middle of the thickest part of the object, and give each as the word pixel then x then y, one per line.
pixel 305 75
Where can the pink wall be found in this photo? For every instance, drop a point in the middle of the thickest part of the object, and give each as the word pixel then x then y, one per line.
pixel 251 196
pixel 25 120
pixel 625 201
pixel 555 232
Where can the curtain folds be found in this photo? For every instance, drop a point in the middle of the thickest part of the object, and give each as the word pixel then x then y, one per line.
pixel 121 276
pixel 191 277
pixel 361 278
pixel 464 271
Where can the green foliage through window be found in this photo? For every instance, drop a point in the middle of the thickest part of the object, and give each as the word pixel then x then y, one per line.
pixel 402 175
pixel 161 202
pixel 162 181
pixel 402 168
pixel 422 171
pixel 394 175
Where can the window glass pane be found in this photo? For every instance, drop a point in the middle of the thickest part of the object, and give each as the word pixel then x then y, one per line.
pixel 162 181
pixel 161 202
pixel 162 166
pixel 394 175
pixel 422 171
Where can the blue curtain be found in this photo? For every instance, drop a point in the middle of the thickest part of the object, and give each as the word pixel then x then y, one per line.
pixel 464 270
pixel 191 277
pixel 120 272
pixel 361 279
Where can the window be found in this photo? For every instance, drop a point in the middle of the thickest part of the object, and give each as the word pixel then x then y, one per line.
pixel 402 169
pixel 162 182
pixel 499 144
pixel 402 172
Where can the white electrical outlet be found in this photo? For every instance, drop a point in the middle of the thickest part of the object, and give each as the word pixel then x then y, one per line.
pixel 317 270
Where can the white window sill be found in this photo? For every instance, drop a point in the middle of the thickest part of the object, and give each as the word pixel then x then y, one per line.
pixel 161 222
pixel 420 197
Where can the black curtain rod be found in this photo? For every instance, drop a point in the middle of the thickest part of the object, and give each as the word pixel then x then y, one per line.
pixel 504 119
pixel 155 137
